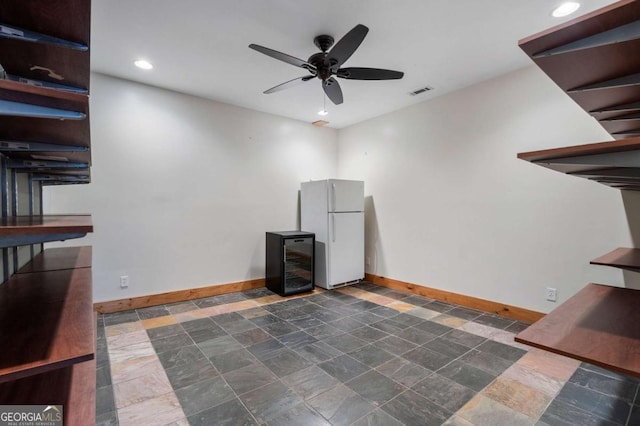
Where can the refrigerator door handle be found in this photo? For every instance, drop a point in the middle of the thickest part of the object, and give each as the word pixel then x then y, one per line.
pixel 333 197
pixel 333 228
pixel 284 253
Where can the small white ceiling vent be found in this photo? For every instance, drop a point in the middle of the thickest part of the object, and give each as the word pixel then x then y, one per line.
pixel 421 90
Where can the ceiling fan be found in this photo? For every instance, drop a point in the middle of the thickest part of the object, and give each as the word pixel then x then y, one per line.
pixel 325 65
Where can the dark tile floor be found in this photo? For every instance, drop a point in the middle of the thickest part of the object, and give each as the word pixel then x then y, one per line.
pixel 334 358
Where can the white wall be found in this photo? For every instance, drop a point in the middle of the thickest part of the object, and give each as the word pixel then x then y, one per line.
pixel 183 188
pixel 451 207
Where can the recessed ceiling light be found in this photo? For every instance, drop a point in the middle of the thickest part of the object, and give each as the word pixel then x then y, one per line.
pixel 565 9
pixel 145 65
pixel 323 112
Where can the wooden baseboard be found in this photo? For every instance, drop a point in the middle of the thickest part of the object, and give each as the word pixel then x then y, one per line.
pixel 175 296
pixel 502 309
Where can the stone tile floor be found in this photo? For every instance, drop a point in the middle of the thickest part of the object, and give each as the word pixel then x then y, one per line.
pixel 360 355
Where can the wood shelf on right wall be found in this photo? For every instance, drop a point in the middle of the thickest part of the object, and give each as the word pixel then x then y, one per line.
pixel 615 164
pixel 623 258
pixel 595 59
pixel 598 325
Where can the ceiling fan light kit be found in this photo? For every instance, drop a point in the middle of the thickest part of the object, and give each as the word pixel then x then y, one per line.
pixel 327 63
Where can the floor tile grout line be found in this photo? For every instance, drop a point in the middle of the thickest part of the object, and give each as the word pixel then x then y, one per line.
pixel 115 409
pixel 632 404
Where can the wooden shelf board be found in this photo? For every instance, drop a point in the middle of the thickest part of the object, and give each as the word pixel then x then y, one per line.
pixel 23 88
pixel 598 325
pixel 624 258
pixel 577 28
pixel 47 224
pixel 579 150
pixel 48 318
pixel 74 157
pixel 600 162
pixel 40 96
pixel 73 387
pixel 59 259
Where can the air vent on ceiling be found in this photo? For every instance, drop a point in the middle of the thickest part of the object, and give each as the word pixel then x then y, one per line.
pixel 421 90
pixel 320 123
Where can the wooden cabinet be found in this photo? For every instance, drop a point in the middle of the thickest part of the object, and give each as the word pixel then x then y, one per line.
pixel 46 306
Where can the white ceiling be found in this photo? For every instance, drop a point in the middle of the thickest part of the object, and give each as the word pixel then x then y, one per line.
pixel 199 47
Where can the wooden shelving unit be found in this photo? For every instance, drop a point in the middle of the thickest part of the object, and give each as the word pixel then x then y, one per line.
pixel 595 59
pixel 598 325
pixel 30 64
pixel 623 258
pixel 59 259
pixel 46 309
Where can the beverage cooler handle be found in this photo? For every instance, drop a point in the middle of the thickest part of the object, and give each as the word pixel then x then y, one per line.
pixel 284 253
pixel 333 227
pixel 333 197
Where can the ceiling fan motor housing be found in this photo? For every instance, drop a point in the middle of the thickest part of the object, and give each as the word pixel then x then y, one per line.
pixel 322 64
pixel 323 42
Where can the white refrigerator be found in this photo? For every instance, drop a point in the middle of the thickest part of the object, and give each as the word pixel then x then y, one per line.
pixel 333 209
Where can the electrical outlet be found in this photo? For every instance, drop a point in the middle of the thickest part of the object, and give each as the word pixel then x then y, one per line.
pixel 368 260
pixel 552 294
pixel 124 281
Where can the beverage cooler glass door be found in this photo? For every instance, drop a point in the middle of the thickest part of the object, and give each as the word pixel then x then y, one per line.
pixel 298 264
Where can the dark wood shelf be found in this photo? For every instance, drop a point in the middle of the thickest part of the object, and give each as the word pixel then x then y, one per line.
pixel 45 92
pixel 46 224
pixel 66 19
pixel 73 387
pixel 25 230
pixel 59 259
pixel 624 258
pixel 612 163
pixel 48 318
pixel 598 325
pixel 592 50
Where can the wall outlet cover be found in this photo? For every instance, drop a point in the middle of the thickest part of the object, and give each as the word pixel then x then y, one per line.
pixel 551 294
pixel 124 281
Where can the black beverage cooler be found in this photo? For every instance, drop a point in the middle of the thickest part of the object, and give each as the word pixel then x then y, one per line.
pixel 290 262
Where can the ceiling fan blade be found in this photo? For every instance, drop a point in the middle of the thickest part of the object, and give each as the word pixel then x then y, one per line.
pixel 288 84
pixel 333 91
pixel 282 57
pixel 348 44
pixel 369 74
